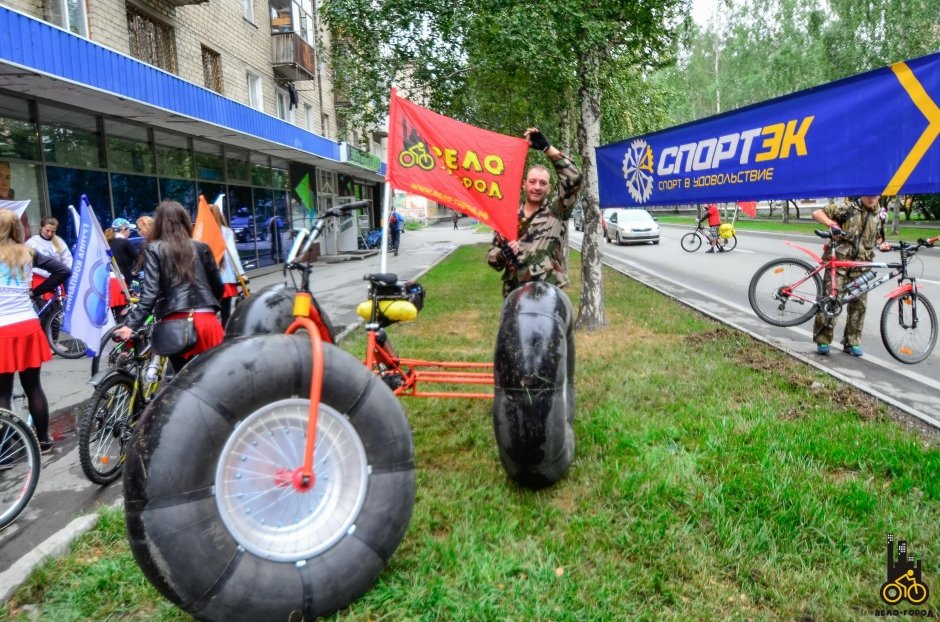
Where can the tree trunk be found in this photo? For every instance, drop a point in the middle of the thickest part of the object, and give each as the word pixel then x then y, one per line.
pixel 895 214
pixel 591 312
pixel 786 212
pixel 796 207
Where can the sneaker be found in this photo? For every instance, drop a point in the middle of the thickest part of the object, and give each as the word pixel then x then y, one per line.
pixel 853 350
pixel 822 348
pixel 45 447
pixel 711 250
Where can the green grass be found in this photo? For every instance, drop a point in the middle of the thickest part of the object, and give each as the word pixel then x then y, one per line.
pixel 715 479
pixel 743 223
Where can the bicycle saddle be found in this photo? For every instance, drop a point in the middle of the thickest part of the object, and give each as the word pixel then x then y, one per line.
pixel 382 278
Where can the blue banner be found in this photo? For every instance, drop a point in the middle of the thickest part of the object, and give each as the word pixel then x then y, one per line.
pixel 874 133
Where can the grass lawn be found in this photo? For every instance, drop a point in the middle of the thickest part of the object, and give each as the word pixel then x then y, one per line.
pixel 715 479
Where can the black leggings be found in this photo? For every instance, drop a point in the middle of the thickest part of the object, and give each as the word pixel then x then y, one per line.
pixel 38 405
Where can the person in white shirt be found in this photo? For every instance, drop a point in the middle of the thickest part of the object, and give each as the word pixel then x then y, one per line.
pixel 48 244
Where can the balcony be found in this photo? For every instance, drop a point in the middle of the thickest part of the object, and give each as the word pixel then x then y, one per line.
pixel 179 3
pixel 292 58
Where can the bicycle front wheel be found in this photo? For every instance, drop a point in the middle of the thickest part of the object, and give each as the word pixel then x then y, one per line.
pixel 691 242
pixel 785 292
pixel 105 428
pixel 19 466
pixel 730 244
pixel 61 342
pixel 909 328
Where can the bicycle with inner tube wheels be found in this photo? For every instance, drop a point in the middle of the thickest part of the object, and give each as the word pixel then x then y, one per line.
pixel 303 479
pixel 789 291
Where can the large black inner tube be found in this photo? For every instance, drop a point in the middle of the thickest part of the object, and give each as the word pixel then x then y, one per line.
pixel 269 311
pixel 534 401
pixel 213 517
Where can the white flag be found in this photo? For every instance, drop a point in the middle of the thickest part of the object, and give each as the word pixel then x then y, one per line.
pixel 17 206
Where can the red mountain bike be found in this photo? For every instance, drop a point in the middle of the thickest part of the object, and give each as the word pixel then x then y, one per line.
pixel 789 291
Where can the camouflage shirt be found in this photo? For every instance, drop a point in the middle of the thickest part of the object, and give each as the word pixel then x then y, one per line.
pixel 542 237
pixel 864 230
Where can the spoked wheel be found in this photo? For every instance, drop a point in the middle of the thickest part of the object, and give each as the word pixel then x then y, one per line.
pixel 62 343
pixel 105 428
pixel 909 328
pixel 19 466
pixel 691 242
pixel 218 518
pixel 783 293
pixel 729 244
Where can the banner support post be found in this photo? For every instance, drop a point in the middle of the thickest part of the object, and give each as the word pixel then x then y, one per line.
pixel 383 257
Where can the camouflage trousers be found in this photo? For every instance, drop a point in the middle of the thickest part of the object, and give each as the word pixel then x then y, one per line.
pixel 823 327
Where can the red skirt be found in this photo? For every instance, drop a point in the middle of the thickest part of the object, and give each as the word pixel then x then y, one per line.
pixel 116 293
pixel 23 346
pixel 209 331
pixel 37 281
pixel 230 291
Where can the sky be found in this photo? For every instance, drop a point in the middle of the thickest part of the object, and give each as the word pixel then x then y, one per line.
pixel 702 10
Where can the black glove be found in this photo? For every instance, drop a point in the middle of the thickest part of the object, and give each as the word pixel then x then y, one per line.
pixel 538 141
pixel 836 231
pixel 512 262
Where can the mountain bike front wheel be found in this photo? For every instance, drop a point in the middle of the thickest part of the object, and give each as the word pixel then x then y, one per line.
pixel 104 429
pixel 785 292
pixel 19 466
pixel 691 242
pixel 909 328
pixel 61 342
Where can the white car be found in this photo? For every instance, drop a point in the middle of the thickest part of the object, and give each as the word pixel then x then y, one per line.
pixel 630 225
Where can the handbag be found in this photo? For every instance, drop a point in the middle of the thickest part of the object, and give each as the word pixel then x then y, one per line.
pixel 172 337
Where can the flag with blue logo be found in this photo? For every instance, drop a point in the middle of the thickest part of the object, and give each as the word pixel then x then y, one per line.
pixel 87 313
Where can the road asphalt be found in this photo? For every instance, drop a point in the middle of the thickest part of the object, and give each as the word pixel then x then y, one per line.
pixel 65 503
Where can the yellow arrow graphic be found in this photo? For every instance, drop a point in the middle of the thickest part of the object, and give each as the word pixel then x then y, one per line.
pixel 930 110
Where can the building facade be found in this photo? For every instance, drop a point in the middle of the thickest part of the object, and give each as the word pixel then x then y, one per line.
pixel 134 101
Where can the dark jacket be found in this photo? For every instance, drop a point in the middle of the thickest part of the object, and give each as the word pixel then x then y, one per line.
pixel 125 254
pixel 58 273
pixel 162 295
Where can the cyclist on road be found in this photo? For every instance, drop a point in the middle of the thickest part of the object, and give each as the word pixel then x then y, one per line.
pixel 857 227
pixel 714 222
pixel 539 253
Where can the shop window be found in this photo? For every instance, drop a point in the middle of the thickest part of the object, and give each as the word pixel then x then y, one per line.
pixel 279 174
pixel 66 187
pixel 174 157
pixel 68 14
pixel 151 41
pixel 237 165
pixel 19 137
pixel 183 191
pixel 254 91
pixel 21 181
pixel 260 170
pixel 71 138
pixel 211 192
pixel 208 159
pixel 212 69
pixel 129 148
pixel 133 195
pixel 243 224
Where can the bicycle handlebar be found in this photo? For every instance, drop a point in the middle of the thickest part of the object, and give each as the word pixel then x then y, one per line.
pixel 905 247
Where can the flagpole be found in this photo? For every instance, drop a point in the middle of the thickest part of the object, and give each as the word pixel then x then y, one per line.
pixel 385 211
pixel 241 279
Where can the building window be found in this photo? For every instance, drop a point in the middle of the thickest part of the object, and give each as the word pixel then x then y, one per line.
pixel 294 16
pixel 254 91
pixel 151 41
pixel 284 111
pixel 308 117
pixel 69 14
pixel 212 69
pixel 248 10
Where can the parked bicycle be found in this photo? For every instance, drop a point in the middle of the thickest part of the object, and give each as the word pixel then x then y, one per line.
pixel 692 241
pixel 51 314
pixel 789 291
pixel 131 380
pixel 19 461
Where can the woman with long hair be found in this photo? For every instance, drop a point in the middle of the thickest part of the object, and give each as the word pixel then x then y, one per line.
pixel 231 267
pixel 180 277
pixel 23 345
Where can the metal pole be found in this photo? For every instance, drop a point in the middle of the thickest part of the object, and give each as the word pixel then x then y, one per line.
pixel 386 208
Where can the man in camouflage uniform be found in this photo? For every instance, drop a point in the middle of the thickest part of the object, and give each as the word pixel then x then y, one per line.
pixel 539 253
pixel 857 228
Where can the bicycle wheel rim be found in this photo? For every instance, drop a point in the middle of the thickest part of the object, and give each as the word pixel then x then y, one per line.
pixel 19 458
pixel 901 339
pixel 104 430
pixel 764 292
pixel 691 242
pixel 257 503
pixel 731 243
pixel 61 342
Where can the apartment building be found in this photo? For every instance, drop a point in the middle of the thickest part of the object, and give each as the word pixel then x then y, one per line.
pixel 134 101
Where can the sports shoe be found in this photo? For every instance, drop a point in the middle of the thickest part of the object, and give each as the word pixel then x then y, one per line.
pixel 822 348
pixel 45 447
pixel 711 250
pixel 853 350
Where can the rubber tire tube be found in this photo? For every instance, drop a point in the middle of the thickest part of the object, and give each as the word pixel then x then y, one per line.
pixel 175 530
pixel 534 400
pixel 269 311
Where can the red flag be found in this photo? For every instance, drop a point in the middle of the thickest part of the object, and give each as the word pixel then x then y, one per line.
pixel 749 208
pixel 469 169
pixel 207 230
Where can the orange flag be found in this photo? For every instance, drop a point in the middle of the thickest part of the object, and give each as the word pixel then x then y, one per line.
pixel 467 168
pixel 207 230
